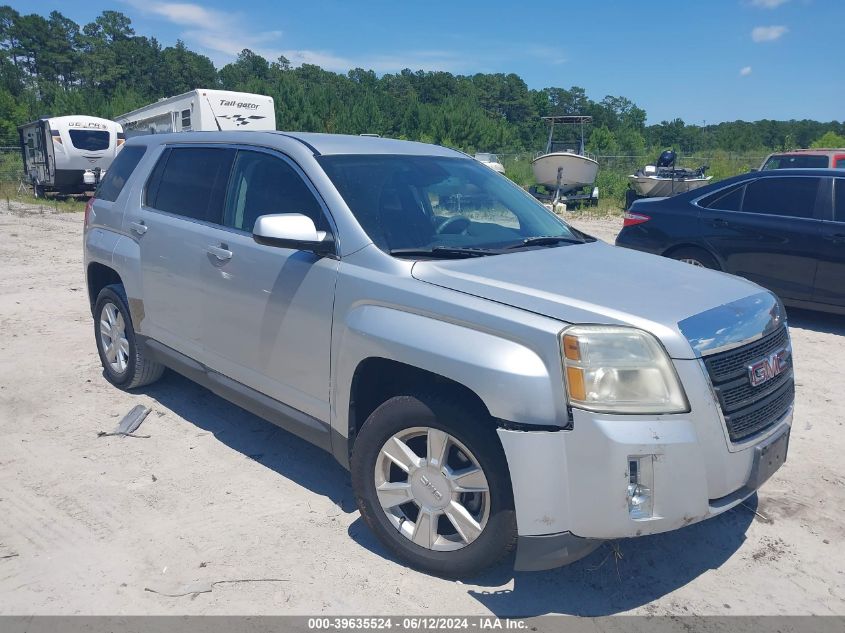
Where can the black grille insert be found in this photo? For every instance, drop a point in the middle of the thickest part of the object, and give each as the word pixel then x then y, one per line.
pixel 748 409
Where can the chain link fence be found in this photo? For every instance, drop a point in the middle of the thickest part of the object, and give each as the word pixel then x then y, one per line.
pixel 612 179
pixel 11 165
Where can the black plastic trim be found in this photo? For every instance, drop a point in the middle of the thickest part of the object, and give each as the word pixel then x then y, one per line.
pixel 306 143
pixel 521 426
pixel 301 424
pixel 536 553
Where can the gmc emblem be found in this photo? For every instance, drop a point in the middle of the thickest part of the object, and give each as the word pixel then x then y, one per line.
pixel 767 368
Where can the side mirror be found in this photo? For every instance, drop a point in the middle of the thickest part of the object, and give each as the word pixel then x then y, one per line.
pixel 292 230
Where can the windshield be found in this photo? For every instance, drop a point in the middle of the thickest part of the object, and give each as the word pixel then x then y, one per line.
pixel 798 161
pixel 430 202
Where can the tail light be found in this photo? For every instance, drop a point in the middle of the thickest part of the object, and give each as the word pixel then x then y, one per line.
pixel 632 219
pixel 88 208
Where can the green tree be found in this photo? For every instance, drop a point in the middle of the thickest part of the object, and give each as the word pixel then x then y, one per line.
pixel 829 139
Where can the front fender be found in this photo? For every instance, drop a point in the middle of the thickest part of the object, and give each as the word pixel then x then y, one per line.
pixel 510 379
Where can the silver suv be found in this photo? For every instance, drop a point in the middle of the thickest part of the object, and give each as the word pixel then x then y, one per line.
pixel 493 378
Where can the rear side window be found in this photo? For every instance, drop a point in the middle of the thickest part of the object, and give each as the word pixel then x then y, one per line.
pixel 839 203
pixel 89 140
pixel 725 200
pixel 796 161
pixel 840 163
pixel 191 181
pixel 119 172
pixel 792 197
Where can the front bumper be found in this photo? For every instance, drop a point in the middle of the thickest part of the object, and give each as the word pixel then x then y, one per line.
pixel 574 483
pixel 536 553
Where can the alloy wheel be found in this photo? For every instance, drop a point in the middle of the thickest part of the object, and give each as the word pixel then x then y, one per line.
pixel 432 489
pixel 113 338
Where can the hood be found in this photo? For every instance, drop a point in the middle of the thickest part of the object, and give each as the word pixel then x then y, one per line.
pixel 599 283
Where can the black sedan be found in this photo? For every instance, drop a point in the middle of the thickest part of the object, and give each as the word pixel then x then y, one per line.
pixel 783 229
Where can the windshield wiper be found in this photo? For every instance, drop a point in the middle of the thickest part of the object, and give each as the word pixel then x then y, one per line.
pixel 545 240
pixel 443 251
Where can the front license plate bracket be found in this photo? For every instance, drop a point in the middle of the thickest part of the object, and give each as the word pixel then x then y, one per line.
pixel 768 458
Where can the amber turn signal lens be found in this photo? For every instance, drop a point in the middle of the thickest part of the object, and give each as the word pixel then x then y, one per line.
pixel 575 382
pixel 570 347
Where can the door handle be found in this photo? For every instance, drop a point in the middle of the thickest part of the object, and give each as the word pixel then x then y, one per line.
pixel 220 252
pixel 719 222
pixel 836 238
pixel 139 227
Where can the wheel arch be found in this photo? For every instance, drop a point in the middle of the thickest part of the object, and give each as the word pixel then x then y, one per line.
pixel 378 379
pixel 509 379
pixel 694 246
pixel 99 276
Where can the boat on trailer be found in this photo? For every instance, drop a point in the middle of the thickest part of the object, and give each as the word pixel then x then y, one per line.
pixel 565 168
pixel 664 179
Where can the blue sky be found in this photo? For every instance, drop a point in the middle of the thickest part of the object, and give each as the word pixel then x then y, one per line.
pixel 700 61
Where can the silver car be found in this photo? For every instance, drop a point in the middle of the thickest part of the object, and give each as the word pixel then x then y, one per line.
pixel 493 378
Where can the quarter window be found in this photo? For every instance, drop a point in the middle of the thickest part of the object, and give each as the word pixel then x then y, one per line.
pixel 840 163
pixel 262 184
pixel 119 172
pixel 191 181
pixel 792 197
pixel 729 200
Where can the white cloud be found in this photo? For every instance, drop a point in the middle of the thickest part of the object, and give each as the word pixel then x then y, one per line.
pixel 222 35
pixel 745 71
pixel 768 4
pixel 550 54
pixel 768 33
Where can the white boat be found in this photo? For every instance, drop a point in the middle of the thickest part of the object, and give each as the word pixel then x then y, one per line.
pixel 491 160
pixel 664 179
pixel 576 171
pixel 565 169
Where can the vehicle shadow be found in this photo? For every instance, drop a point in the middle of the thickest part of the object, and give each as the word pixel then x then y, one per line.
pixel 618 576
pixel 261 441
pixel 823 322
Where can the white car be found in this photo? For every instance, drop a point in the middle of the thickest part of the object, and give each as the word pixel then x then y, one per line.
pixel 491 160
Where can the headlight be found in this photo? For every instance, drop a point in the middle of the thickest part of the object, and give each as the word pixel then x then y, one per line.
pixel 613 369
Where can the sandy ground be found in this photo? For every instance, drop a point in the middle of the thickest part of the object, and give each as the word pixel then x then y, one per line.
pixel 247 519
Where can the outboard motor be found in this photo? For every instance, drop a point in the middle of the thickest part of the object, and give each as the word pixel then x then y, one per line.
pixel 667 159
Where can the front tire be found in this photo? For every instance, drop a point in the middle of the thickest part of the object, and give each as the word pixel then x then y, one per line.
pixel 430 478
pixel 124 364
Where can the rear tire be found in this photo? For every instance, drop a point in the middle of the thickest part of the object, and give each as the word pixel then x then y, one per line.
pixel 435 524
pixel 124 363
pixel 695 257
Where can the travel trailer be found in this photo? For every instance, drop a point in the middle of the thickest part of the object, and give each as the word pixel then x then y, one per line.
pixel 202 110
pixel 68 154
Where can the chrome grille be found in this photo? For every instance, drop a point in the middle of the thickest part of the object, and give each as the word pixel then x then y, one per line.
pixel 748 409
pixel 734 362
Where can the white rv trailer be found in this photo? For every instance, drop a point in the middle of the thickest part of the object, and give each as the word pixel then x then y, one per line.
pixel 202 110
pixel 68 154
